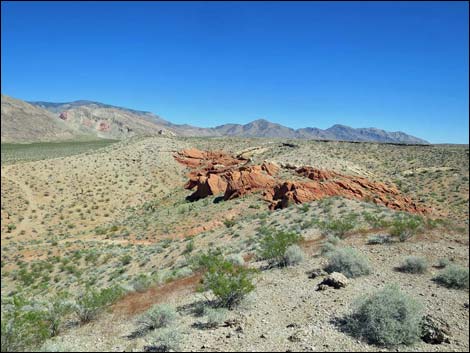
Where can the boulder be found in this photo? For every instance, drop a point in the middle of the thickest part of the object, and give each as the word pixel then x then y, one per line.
pixel 434 330
pixel 336 280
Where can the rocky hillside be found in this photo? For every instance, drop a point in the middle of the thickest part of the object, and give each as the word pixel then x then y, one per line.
pixel 106 121
pixel 23 122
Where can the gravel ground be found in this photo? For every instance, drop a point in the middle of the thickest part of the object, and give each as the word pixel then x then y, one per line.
pixel 286 313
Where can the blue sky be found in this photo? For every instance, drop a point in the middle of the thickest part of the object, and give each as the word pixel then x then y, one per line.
pixel 396 66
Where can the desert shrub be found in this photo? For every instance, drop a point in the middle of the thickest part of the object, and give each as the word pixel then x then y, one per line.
pixel 327 248
pixel 443 263
pixel 414 264
pixel 273 246
pixel 405 227
pixel 378 239
pixel 157 316
pixel 229 283
pixel 23 325
pixel 293 255
pixel 386 318
pixel 141 282
pixel 236 259
pixel 453 276
pixel 375 220
pixel 347 261
pixel 229 223
pixel 334 240
pixel 189 247
pixel 339 227
pixel 93 302
pixel 55 311
pixel 329 245
pixel 164 340
pixel 206 260
pixel 215 316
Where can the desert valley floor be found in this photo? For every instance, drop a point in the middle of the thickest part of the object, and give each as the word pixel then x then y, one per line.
pixel 101 214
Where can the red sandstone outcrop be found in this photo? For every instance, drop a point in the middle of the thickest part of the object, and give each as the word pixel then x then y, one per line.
pixel 216 173
pixel 246 180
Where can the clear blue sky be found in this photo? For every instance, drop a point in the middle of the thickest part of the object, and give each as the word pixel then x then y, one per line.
pixel 397 66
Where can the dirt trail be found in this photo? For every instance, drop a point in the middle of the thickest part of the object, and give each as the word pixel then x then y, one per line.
pixel 137 302
pixel 25 224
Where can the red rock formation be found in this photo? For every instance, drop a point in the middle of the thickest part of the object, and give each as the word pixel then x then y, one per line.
pixel 246 180
pixel 63 116
pixel 215 173
pixel 104 126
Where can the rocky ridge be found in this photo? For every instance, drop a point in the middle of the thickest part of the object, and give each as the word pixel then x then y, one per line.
pixel 217 173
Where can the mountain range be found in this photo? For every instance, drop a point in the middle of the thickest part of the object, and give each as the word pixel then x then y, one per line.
pixel 23 121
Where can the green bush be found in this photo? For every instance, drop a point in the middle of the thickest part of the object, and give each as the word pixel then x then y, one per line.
pixel 167 339
pixel 347 261
pixel 273 246
pixel 293 255
pixel 405 227
pixel 414 264
pixel 93 302
pixel 55 311
pixel 453 276
pixel 23 325
pixel 229 283
pixel 386 318
pixel 339 227
pixel 375 220
pixel 206 260
pixel 157 316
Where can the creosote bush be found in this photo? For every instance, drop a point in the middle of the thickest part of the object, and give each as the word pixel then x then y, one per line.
pixel 23 324
pixel 228 282
pixel 453 276
pixel 414 264
pixel 347 261
pixel 386 318
pixel 93 302
pixel 405 227
pixel 339 227
pixel 273 246
pixel 156 317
